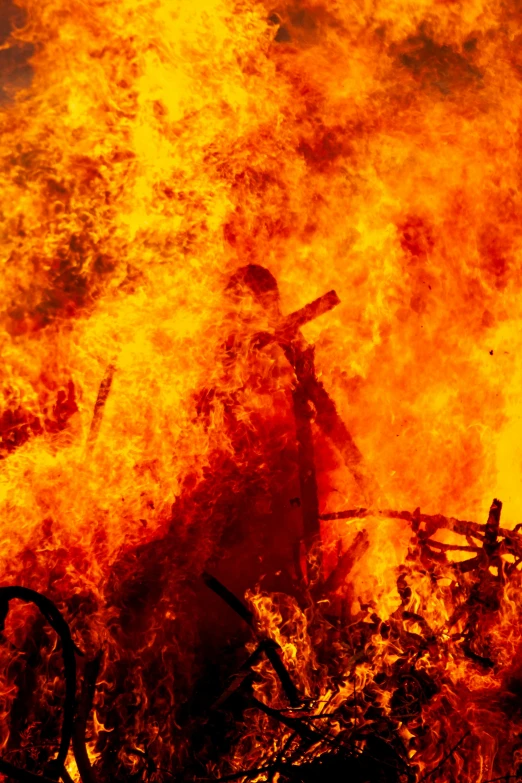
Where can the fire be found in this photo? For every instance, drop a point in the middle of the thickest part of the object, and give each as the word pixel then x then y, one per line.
pixel 260 287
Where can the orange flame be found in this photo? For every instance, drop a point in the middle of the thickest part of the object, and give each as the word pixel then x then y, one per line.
pixel 152 149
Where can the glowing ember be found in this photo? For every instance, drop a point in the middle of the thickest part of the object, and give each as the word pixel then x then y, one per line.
pixel 260 301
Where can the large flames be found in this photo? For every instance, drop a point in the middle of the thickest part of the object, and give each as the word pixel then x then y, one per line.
pixel 184 185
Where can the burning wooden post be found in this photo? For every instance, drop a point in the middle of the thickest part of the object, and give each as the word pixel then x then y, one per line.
pixel 310 399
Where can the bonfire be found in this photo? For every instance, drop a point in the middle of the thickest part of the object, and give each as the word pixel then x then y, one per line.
pixel 260 392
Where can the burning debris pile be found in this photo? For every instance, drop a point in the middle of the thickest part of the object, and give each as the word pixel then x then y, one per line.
pixel 260 290
pixel 381 688
pixel 328 687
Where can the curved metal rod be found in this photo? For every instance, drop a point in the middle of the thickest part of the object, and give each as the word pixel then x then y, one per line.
pixel 54 617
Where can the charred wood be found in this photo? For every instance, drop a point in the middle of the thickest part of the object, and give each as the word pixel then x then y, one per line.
pixel 445 759
pixel 346 562
pixel 244 675
pixel 90 675
pixel 307 480
pixel 233 601
pixel 268 647
pixel 20 774
pixel 511 543
pixel 262 284
pixel 99 406
pixel 290 324
pixel 298 726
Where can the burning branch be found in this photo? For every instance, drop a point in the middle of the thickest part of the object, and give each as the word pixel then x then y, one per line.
pixel 267 646
pixel 346 562
pixel 446 757
pixel 307 477
pixel 90 675
pixel 99 406
pixel 488 534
